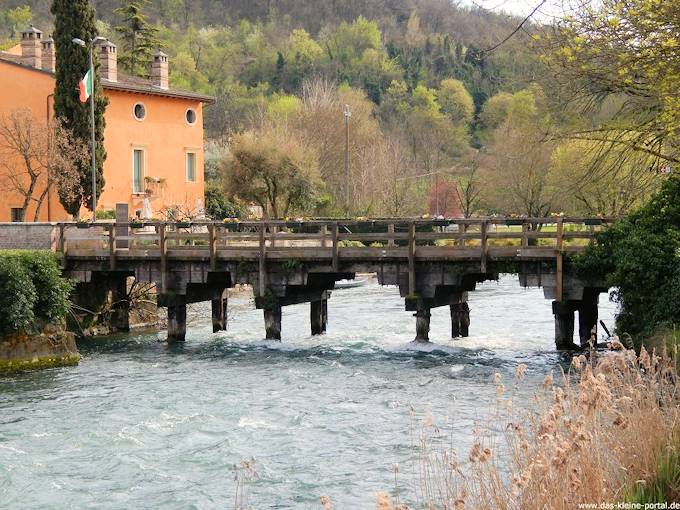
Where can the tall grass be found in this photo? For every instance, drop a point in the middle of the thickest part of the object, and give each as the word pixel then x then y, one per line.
pixel 596 434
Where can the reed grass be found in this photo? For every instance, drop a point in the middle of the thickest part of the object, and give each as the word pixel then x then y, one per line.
pixel 604 431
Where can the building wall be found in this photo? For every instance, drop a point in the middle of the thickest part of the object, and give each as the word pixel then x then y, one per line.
pixel 23 88
pixel 164 135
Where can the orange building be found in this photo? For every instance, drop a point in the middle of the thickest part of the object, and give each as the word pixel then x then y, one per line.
pixel 153 136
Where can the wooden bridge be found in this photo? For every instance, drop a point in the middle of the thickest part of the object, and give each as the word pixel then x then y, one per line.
pixel 433 262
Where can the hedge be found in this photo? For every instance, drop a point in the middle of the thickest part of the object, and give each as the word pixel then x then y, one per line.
pixel 32 291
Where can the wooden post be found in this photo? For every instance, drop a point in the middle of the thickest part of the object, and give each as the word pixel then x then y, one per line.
pixel 336 262
pixel 411 259
pixel 61 241
pixel 462 229
pixel 112 247
pixel 390 230
pixel 485 245
pixel 162 244
pixel 324 235
pixel 525 235
pixel 262 266
pixel 559 275
pixel 213 246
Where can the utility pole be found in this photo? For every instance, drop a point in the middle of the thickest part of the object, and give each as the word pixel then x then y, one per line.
pixel 347 114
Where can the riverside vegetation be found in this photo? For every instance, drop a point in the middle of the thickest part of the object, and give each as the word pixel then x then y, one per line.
pixel 606 430
pixel 34 301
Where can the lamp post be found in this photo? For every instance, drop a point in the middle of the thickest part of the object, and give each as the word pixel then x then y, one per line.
pixel 93 149
pixel 347 114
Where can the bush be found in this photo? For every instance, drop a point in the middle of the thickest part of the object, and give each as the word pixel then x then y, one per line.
pixel 640 255
pixel 218 206
pixel 32 291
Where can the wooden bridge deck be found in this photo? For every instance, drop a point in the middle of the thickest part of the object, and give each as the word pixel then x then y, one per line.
pixel 434 262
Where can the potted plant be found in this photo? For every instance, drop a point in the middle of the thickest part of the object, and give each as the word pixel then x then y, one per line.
pixel 136 223
pixel 593 221
pixel 231 224
pixel 183 224
pixel 514 220
pixel 82 224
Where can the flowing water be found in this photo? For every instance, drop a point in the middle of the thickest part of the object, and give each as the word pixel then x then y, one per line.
pixel 139 424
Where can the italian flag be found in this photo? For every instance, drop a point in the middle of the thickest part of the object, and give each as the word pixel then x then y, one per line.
pixel 85 87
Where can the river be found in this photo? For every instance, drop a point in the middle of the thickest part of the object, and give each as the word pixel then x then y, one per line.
pixel 139 424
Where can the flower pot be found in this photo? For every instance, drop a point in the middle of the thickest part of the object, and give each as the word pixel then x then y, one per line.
pixel 514 222
pixel 183 224
pixel 136 225
pixel 83 225
pixel 440 223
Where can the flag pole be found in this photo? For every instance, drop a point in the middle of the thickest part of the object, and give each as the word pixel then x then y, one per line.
pixel 94 147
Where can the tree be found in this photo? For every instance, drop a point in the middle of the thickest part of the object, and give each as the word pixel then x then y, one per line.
pixel 274 171
pixel 138 37
pixel 628 49
pixel 75 19
pixel 455 101
pixel 32 163
pixel 519 176
pixel 640 255
pixel 16 19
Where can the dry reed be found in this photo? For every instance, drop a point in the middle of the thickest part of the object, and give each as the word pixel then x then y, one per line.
pixel 597 431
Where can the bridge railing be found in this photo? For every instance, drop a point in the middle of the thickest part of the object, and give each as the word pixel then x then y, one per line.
pixel 466 238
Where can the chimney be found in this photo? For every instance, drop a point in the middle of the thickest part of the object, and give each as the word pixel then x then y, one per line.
pixel 48 55
pixel 31 51
pixel 159 70
pixel 108 60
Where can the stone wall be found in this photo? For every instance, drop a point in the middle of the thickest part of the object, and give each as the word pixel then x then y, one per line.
pixel 27 236
pixel 53 347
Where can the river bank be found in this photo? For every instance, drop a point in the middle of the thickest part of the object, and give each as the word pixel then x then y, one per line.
pixel 53 347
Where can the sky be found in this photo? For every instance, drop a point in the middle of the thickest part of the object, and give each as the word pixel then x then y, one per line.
pixel 522 8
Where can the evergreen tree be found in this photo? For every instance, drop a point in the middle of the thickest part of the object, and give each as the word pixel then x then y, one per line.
pixel 76 19
pixel 137 36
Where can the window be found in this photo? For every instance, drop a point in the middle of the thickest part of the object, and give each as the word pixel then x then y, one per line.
pixel 138 170
pixel 17 215
pixel 139 111
pixel 191 117
pixel 191 167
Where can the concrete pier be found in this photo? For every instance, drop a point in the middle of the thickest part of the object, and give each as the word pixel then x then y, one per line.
pixel 177 322
pixel 318 316
pixel 272 322
pixel 587 316
pixel 422 325
pixel 219 312
pixel 564 325
pixel 460 320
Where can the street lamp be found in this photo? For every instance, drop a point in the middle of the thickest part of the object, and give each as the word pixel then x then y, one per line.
pixel 90 47
pixel 347 114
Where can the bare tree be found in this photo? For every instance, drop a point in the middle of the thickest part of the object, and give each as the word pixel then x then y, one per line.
pixel 32 164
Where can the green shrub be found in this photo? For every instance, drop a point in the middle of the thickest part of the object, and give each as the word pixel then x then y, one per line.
pixel 640 255
pixel 106 214
pixel 218 206
pixel 32 290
